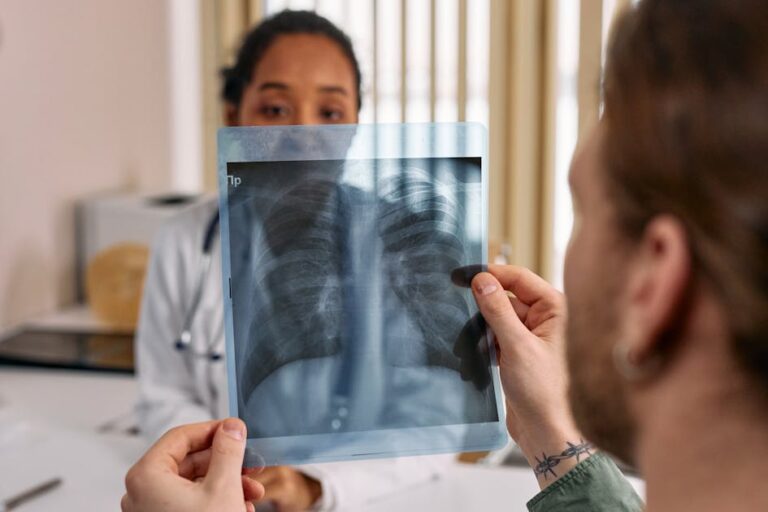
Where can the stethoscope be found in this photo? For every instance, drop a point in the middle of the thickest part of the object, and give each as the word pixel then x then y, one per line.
pixel 184 341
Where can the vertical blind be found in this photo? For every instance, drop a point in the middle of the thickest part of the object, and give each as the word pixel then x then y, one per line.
pixel 414 55
pixel 583 31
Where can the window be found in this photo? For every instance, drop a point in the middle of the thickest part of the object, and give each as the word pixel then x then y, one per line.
pixel 444 82
pixel 567 117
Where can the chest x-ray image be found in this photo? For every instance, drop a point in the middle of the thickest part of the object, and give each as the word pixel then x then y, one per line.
pixel 348 337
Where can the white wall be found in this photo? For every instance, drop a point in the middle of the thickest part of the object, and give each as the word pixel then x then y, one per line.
pixel 84 107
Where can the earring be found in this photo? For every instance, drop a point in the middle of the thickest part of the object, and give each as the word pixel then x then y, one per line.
pixel 630 369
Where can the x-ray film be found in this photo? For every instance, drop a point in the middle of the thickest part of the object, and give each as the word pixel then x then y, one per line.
pixel 346 336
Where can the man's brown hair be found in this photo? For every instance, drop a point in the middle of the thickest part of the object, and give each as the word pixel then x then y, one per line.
pixel 686 113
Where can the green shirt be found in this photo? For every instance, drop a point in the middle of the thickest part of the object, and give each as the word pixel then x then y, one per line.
pixel 594 485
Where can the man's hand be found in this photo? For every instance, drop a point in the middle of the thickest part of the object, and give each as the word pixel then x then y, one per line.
pixel 194 467
pixel 289 489
pixel 527 317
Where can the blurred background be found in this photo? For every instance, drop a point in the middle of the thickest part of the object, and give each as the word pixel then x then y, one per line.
pixel 104 99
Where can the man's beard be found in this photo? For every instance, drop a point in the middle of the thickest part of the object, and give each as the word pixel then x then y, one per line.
pixel 597 391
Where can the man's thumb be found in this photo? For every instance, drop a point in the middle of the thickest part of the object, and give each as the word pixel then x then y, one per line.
pixel 227 452
pixel 495 306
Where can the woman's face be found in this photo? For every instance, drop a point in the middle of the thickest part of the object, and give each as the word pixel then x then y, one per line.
pixel 301 79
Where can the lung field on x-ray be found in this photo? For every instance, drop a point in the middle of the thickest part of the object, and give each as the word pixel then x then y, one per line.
pixel 423 231
pixel 292 242
pixel 291 246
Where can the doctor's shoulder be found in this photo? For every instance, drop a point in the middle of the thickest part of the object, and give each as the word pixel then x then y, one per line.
pixel 176 251
pixel 183 233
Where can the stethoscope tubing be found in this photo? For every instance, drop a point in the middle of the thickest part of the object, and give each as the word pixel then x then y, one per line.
pixel 183 343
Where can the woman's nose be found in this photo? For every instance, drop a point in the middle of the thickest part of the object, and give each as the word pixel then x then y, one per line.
pixel 304 115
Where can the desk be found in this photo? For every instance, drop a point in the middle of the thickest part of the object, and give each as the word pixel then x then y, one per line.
pixel 48 427
pixel 467 488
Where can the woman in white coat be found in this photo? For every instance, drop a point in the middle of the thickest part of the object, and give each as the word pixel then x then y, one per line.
pixel 294 68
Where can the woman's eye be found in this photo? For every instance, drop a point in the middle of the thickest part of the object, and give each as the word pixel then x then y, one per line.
pixel 331 115
pixel 273 111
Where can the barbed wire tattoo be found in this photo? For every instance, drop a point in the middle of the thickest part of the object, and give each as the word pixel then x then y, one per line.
pixel 547 463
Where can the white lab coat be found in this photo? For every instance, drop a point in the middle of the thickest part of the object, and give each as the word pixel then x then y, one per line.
pixel 177 388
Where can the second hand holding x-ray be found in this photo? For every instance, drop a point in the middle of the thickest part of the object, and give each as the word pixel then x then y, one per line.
pixel 346 337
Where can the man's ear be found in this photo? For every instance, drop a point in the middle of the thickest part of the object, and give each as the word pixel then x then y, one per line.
pixel 658 280
pixel 231 114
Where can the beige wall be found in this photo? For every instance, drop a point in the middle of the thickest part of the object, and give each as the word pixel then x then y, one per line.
pixel 84 107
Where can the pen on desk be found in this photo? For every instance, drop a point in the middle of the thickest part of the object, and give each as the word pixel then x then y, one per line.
pixel 14 501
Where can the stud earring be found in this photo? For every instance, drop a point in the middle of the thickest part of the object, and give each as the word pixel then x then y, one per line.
pixel 631 370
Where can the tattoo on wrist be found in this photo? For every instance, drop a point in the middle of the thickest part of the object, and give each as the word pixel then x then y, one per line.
pixel 546 465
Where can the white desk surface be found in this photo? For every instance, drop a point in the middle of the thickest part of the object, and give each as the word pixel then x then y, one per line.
pixel 48 428
pixel 78 318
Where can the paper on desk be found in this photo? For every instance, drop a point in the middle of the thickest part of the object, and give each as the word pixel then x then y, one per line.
pixel 92 466
pixel 16 433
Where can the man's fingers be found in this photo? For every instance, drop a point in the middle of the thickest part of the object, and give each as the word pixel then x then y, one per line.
pixel 171 449
pixel 279 484
pixel 195 465
pixel 125 504
pixel 277 493
pixel 253 470
pixel 520 308
pixel 527 286
pixel 227 452
pixel 462 276
pixel 495 305
pixel 252 489
pixel 270 475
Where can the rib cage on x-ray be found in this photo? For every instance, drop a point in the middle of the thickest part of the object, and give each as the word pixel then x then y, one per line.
pixel 420 225
pixel 298 269
pixel 299 263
